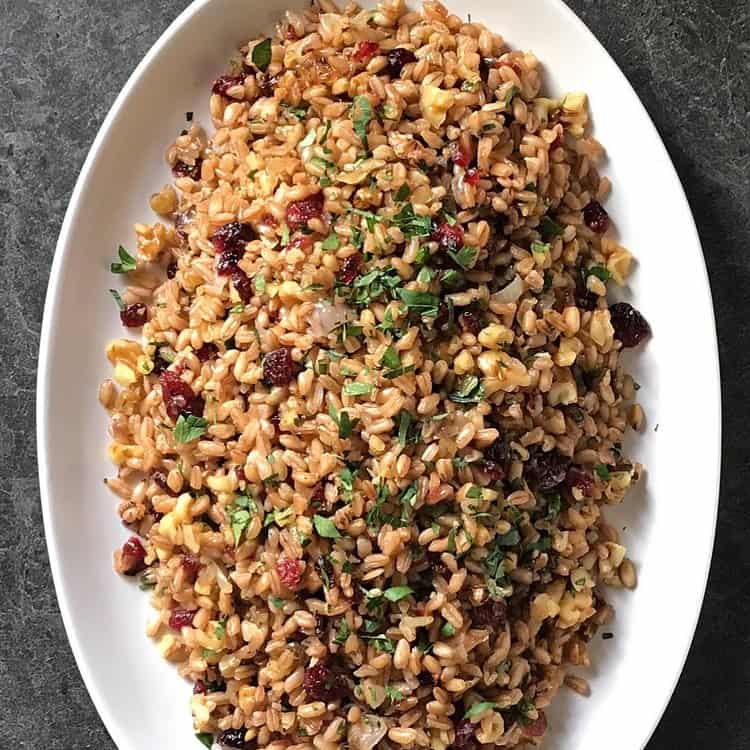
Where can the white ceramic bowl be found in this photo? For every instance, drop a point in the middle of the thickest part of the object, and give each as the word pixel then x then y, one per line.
pixel 668 523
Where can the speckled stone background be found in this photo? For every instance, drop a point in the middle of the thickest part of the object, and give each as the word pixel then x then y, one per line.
pixel 61 65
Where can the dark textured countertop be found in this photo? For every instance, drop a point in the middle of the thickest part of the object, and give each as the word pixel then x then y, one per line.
pixel 61 66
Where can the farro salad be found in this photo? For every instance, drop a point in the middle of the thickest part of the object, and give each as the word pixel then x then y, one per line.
pixel 366 438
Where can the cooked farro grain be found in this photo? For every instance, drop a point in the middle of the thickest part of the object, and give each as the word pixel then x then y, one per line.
pixel 378 408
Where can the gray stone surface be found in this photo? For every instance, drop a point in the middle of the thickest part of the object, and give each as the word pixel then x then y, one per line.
pixel 61 65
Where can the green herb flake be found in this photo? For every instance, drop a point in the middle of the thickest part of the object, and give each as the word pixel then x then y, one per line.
pixel 331 242
pixel 540 248
pixel 393 694
pixel 411 224
pixel 343 422
pixel 550 228
pixel 358 389
pixel 284 235
pixel 402 193
pixel 471 86
pixel 511 95
pixel 117 298
pixel 479 708
pixel 602 471
pixel 554 506
pixel 220 629
pixel 325 527
pixel 206 739
pixel 261 55
pixel 421 303
pixel 361 114
pixel 126 264
pixel 342 632
pixel 260 284
pixel 447 631
pixel 189 428
pixel 466 257
pixel 600 272
pixel 396 593
pixel 381 642
pixel 469 391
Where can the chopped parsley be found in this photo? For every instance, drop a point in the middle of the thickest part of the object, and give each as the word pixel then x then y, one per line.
pixel 511 95
pixel 206 739
pixel 126 264
pixel 466 257
pixel 189 428
pixel 393 694
pixel 421 303
pixel 240 515
pixel 117 298
pixel 361 114
pixel 602 471
pixel 411 224
pixel 358 389
pixel 342 632
pixel 550 228
pixel 469 391
pixel 600 272
pixel 402 193
pixel 325 527
pixel 331 242
pixel 479 708
pixel 261 55
pixel 381 642
pixel 397 593
pixel 343 421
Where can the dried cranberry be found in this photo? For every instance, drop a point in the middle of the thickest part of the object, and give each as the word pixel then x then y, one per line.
pixel 538 727
pixel 498 452
pixel 595 217
pixel 179 398
pixel 199 688
pixel 449 238
pixel 366 50
pixel 397 58
pixel 134 316
pixel 300 212
pixel 442 318
pixel 289 570
pixel 181 618
pixel 191 564
pixel 172 269
pixel 464 734
pixel 350 268
pixel 559 139
pixel 132 556
pixel 233 738
pixel 321 684
pixel 223 83
pixel 545 471
pixel 494 472
pixel 630 326
pixel 279 367
pixel 206 352
pixel 243 284
pixel 578 477
pixel 493 614
pixel 472 176
pixel 470 322
pixel 183 169
pixel 232 237
pixel 458 155
pixel 290 33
